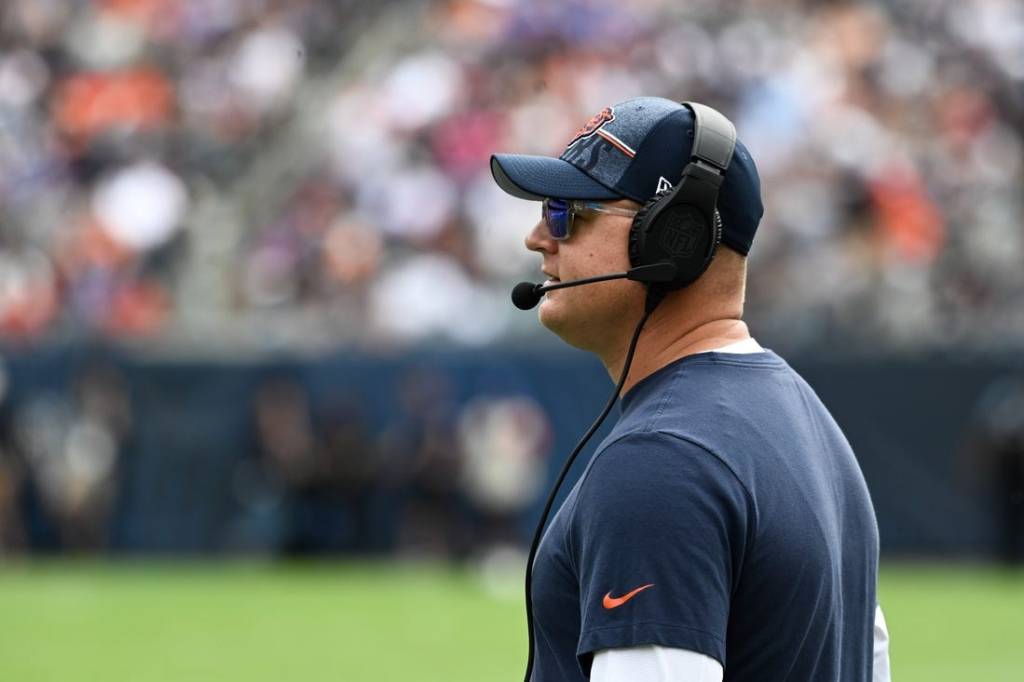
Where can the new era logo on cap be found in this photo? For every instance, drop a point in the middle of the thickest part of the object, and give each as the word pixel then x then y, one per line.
pixel 634 150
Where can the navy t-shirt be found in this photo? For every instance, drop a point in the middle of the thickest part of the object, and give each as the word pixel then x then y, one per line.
pixel 724 514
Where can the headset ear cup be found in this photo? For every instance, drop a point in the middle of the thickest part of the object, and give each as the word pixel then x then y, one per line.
pixel 677 232
pixel 638 231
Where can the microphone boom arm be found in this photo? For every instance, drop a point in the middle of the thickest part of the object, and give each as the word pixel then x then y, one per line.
pixel 526 295
pixel 574 283
pixel 657 272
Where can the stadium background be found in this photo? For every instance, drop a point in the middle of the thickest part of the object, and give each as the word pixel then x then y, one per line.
pixel 254 313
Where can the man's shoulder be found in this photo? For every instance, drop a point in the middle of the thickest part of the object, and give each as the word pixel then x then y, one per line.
pixel 640 465
pixel 706 389
pixel 743 409
pixel 652 445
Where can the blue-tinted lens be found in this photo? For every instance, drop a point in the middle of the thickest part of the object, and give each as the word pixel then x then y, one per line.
pixel 557 217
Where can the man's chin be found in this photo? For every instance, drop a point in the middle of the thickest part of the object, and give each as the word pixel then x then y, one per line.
pixel 556 320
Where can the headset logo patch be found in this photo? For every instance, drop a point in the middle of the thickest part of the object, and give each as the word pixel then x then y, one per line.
pixel 606 115
pixel 679 238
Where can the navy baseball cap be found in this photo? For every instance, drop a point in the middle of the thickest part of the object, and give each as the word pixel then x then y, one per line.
pixel 632 150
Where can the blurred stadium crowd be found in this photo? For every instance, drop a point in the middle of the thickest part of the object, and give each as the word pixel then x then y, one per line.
pixel 300 476
pixel 304 173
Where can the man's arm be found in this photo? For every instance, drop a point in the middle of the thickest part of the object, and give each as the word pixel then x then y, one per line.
pixel 654 664
pixel 667 664
pixel 881 667
pixel 661 524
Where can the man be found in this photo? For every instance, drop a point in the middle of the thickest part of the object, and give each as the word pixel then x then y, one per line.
pixel 723 529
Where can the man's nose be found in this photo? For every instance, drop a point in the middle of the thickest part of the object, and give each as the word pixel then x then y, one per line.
pixel 539 239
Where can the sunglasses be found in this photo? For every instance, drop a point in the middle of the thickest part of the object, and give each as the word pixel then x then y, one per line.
pixel 559 214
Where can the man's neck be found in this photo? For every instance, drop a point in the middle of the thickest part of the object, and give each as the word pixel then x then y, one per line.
pixel 661 344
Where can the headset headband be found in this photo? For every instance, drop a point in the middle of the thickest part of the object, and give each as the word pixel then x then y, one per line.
pixel 714 136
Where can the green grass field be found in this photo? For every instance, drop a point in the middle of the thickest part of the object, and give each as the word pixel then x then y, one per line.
pixel 252 622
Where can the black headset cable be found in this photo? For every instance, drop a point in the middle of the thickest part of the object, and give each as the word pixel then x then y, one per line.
pixel 654 297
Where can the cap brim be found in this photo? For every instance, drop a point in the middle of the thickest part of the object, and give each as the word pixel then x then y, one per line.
pixel 539 177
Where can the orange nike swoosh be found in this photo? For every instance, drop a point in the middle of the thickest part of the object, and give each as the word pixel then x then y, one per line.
pixel 611 602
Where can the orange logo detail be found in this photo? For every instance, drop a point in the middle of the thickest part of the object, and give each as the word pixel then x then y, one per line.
pixel 590 127
pixel 611 602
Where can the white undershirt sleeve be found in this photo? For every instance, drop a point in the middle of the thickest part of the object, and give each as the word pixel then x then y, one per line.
pixel 654 664
pixel 668 664
pixel 881 665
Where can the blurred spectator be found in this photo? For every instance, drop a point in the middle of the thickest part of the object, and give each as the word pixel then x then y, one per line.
pixel 998 449
pixel 422 457
pixel 434 483
pixel 72 446
pixel 282 480
pixel 12 528
pixel 319 171
pixel 352 470
pixel 314 483
pixel 505 443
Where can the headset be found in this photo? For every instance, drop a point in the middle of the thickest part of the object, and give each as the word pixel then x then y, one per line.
pixel 672 241
pixel 681 224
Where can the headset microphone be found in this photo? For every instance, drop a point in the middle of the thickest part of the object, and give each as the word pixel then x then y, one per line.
pixel 527 295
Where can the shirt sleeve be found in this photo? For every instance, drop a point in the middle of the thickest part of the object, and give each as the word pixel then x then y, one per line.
pixel 880 669
pixel 658 535
pixel 654 664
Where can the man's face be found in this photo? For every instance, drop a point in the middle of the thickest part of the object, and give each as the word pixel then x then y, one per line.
pixel 592 317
